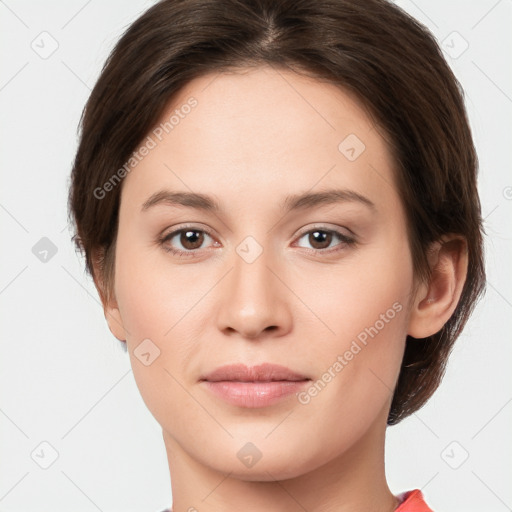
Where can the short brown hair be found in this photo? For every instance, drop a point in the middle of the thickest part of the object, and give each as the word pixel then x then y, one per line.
pixel 369 47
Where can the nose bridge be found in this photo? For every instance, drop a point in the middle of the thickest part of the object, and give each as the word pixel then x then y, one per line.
pixel 254 299
pixel 251 275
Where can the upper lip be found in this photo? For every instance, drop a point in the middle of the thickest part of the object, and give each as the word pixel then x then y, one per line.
pixel 265 372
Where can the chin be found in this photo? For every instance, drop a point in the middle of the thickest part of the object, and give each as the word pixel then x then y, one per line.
pixel 270 462
pixel 268 471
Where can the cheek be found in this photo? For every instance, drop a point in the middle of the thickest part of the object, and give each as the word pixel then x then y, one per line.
pixel 365 306
pixel 164 302
pixel 158 307
pixel 351 297
pixel 152 298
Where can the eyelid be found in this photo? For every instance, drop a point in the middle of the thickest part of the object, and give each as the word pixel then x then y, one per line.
pixel 325 227
pixel 191 226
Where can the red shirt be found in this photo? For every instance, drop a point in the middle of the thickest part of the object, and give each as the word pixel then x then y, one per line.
pixel 412 501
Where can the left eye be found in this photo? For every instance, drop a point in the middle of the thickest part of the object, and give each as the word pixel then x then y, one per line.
pixel 321 239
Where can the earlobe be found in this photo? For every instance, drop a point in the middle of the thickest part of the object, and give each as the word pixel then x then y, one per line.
pixel 108 299
pixel 436 300
pixel 114 320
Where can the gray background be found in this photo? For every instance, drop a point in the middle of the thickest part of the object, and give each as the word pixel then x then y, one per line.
pixel 64 380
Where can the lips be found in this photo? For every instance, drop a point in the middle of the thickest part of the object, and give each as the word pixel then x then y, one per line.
pixel 253 386
pixel 265 372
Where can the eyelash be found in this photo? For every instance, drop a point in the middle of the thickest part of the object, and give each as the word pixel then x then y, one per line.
pixel 344 241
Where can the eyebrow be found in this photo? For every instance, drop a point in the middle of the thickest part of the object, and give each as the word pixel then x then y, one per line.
pixel 292 202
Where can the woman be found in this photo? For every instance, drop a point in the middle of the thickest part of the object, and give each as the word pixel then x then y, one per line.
pixel 277 201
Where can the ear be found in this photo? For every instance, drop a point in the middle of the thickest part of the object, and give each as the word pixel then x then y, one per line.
pixel 107 296
pixel 436 300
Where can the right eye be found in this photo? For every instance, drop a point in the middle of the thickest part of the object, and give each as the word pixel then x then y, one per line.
pixel 184 242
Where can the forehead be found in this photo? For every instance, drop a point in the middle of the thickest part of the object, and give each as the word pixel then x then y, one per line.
pixel 259 132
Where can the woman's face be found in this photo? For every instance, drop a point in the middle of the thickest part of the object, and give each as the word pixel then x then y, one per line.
pixel 305 264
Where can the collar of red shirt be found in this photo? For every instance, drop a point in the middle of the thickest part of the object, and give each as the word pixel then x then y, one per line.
pixel 413 501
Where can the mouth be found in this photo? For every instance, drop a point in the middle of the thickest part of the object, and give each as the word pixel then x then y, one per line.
pixel 254 387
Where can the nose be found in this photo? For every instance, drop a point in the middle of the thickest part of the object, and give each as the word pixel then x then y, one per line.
pixel 255 300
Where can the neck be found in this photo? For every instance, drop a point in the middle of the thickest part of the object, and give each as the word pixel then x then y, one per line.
pixel 354 481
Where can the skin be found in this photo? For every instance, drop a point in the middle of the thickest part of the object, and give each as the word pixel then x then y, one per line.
pixel 256 136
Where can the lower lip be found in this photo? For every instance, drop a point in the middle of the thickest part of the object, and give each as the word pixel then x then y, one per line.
pixel 255 394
